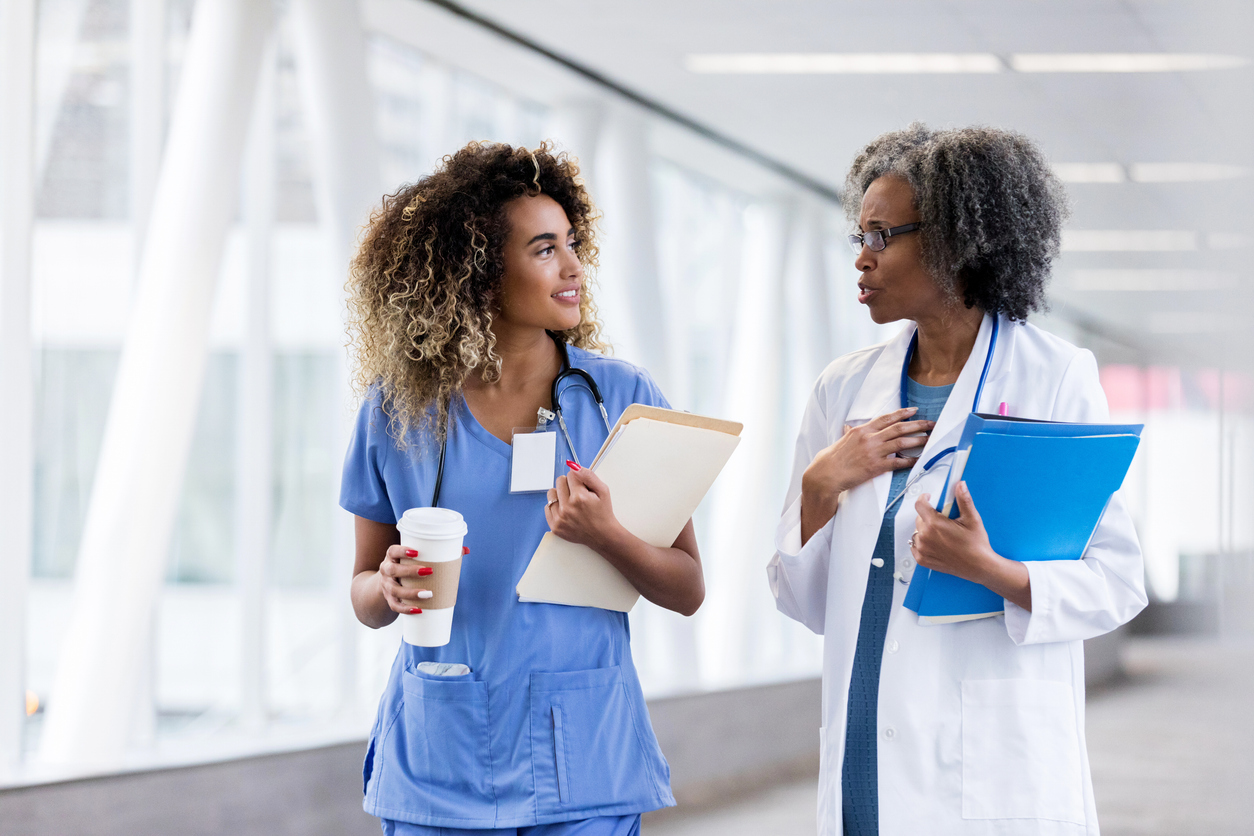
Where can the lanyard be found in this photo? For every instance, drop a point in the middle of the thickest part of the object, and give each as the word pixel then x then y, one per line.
pixel 975 405
pixel 567 371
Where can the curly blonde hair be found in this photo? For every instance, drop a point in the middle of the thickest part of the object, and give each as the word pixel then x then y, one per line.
pixel 427 275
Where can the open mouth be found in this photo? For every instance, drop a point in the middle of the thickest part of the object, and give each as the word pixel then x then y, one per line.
pixel 865 293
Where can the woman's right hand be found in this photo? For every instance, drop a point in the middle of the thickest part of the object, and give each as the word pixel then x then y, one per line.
pixel 400 598
pixel 861 454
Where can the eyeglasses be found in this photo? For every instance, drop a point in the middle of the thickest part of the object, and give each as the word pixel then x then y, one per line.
pixel 877 239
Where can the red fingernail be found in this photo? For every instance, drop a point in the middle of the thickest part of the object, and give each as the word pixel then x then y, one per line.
pixel 465 550
pixel 425 570
pixel 415 611
pixel 573 465
pixel 411 552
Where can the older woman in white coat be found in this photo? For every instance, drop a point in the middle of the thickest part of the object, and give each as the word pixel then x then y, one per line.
pixel 974 727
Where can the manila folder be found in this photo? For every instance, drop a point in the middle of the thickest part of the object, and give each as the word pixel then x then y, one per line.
pixel 657 473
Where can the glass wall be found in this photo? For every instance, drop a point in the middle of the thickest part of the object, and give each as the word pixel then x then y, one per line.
pixel 740 271
pixel 85 253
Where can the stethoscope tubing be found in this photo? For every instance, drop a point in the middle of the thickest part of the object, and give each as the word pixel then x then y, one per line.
pixel 975 404
pixel 567 371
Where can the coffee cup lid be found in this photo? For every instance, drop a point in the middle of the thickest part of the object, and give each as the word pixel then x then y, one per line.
pixel 432 523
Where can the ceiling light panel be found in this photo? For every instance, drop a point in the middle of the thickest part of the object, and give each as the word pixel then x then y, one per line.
pixel 1227 240
pixel 1148 172
pixel 1151 280
pixel 1128 240
pixel 848 63
pixel 1126 62
pixel 1184 172
pixel 1090 172
pixel 887 63
pixel 1192 322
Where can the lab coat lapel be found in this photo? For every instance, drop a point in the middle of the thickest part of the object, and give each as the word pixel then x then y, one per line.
pixel 881 389
pixel 880 393
pixel 953 417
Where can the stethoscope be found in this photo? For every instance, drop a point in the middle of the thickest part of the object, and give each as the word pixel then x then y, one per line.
pixel 948 451
pixel 905 402
pixel 546 415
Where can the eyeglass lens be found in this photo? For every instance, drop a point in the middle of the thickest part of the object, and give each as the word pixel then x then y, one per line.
pixel 873 239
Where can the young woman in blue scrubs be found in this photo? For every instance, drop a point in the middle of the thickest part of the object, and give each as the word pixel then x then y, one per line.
pixel 464 286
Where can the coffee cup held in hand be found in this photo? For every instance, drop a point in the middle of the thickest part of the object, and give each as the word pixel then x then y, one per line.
pixel 437 535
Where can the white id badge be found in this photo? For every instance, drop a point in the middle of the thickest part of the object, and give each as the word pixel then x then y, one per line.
pixel 534 461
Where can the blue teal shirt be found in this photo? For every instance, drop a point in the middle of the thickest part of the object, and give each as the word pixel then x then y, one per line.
pixel 859 778
pixel 550 725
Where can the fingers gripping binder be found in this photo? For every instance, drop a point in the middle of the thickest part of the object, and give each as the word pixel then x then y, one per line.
pixel 1041 488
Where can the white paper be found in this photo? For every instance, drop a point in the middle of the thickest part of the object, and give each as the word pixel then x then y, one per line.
pixel 534 459
pixel 657 473
pixel 955 476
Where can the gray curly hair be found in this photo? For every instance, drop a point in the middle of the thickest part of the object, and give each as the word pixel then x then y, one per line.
pixel 991 210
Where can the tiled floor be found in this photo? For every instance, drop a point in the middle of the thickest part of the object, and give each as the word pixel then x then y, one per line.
pixel 1171 746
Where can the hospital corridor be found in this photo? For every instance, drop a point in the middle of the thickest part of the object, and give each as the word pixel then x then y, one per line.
pixel 685 418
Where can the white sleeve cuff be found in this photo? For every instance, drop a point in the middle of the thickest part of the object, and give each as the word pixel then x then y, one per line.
pixel 1020 623
pixel 798 574
pixel 788 534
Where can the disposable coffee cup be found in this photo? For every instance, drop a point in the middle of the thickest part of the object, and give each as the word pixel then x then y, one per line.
pixel 437 535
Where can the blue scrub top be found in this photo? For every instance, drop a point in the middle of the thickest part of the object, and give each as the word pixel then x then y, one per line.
pixel 550 725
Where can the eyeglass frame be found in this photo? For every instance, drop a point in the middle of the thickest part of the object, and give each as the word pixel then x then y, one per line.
pixel 857 240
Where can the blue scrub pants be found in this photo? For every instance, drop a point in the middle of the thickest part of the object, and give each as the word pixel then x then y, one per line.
pixel 599 826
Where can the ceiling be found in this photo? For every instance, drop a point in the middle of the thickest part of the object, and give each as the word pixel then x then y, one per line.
pixel 816 123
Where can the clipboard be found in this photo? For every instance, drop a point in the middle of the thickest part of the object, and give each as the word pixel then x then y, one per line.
pixel 658 464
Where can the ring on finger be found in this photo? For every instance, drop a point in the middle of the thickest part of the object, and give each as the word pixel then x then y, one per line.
pixel 912 536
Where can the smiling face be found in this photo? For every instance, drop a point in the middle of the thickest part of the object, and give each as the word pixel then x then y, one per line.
pixel 543 278
pixel 894 284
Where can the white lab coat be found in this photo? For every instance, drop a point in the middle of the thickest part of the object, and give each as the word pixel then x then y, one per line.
pixel 981 723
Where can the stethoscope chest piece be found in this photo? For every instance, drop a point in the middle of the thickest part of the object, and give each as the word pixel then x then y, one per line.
pixel 545 416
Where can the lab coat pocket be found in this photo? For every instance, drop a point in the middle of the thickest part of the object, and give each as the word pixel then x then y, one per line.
pixel 586 749
pixel 436 759
pixel 1021 751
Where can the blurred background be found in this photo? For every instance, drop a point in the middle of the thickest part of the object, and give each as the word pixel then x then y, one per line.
pixel 182 184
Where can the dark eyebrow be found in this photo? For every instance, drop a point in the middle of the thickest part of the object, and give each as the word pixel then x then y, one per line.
pixel 548 236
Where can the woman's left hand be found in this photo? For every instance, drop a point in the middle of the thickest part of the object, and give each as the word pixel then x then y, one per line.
pixel 961 548
pixel 580 511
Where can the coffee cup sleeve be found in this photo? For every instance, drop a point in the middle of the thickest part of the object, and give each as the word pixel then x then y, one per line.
pixel 442 582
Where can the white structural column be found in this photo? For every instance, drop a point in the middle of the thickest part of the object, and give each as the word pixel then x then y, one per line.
pixel 57 35
pixel 739 616
pixel 148 432
pixel 147 129
pixel 17 440
pixel 808 337
pixel 807 345
pixel 147 114
pixel 340 116
pixel 435 91
pixel 634 307
pixel 575 127
pixel 806 293
pixel 254 468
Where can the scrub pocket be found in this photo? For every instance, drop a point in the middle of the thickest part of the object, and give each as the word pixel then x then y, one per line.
pixel 586 747
pixel 436 760
pixel 1021 751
